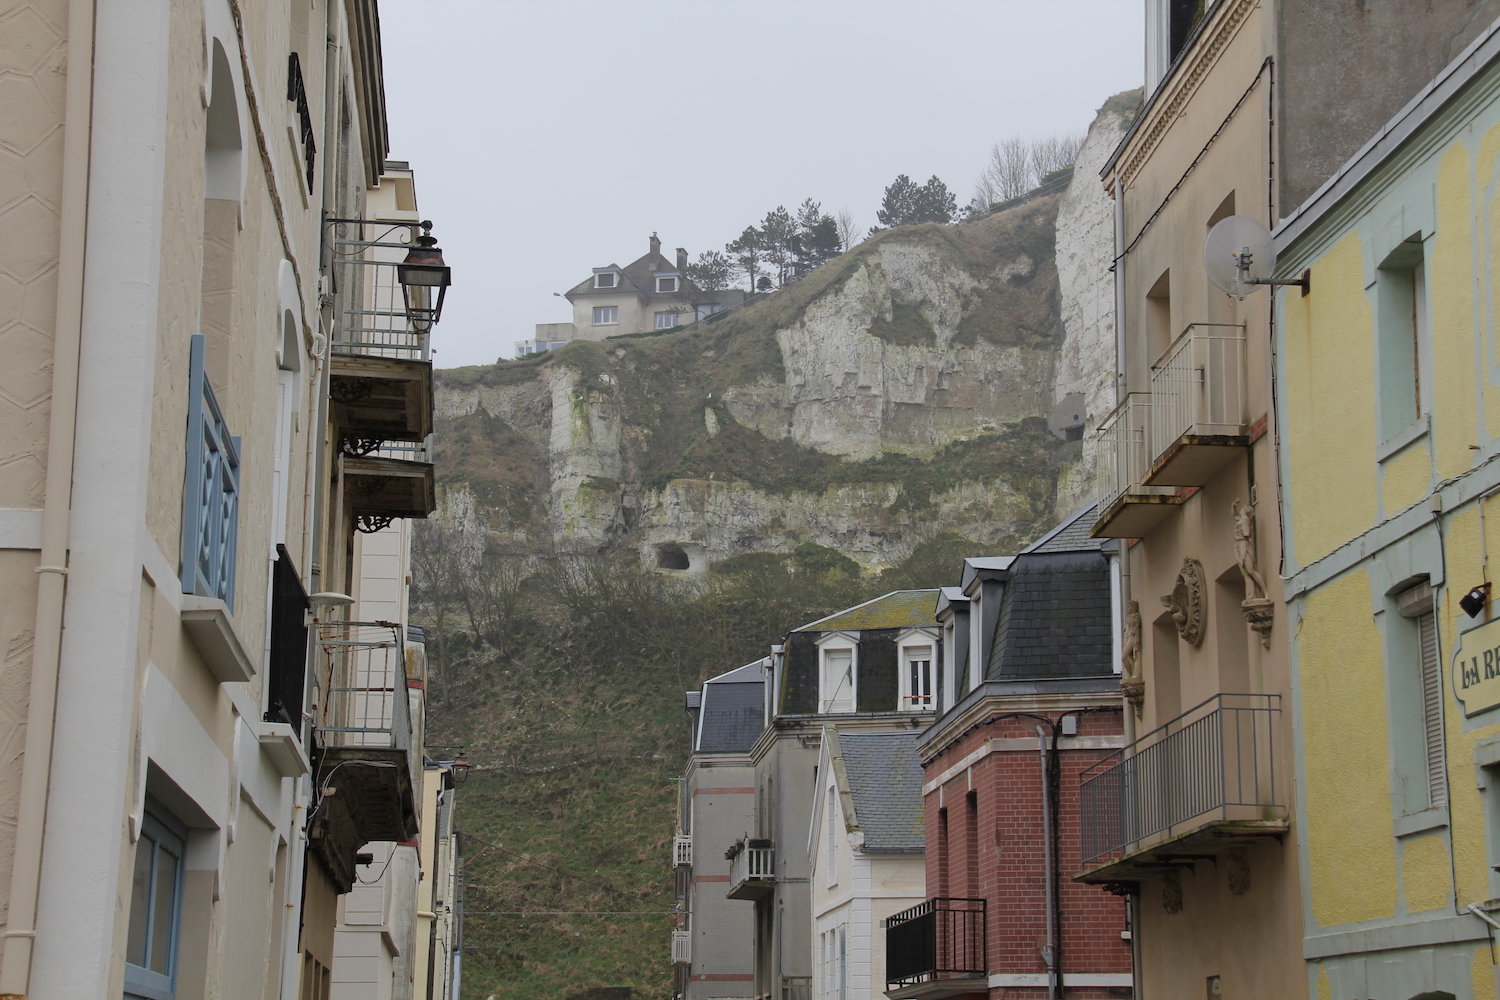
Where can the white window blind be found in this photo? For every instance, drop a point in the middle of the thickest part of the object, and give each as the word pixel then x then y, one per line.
pixel 838 680
pixel 1432 709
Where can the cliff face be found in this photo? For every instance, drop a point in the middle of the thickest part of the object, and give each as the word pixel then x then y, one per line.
pixel 926 382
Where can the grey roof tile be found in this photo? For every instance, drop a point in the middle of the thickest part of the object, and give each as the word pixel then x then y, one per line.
pixel 885 780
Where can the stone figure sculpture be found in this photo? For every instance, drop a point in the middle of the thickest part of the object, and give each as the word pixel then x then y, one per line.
pixel 1132 684
pixel 1258 610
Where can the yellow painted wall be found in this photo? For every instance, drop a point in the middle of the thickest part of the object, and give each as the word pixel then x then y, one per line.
pixel 1483 973
pixel 1425 875
pixel 1330 384
pixel 1450 272
pixel 1347 756
pixel 1407 479
pixel 1487 174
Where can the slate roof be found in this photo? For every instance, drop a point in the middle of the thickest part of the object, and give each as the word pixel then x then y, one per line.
pixel 1072 535
pixel 733 710
pixel 898 609
pixel 885 781
pixel 1054 618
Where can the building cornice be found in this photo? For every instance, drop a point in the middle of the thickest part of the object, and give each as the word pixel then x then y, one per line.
pixel 1169 100
pixel 957 724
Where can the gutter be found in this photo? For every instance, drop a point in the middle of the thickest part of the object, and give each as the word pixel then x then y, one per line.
pixel 31 814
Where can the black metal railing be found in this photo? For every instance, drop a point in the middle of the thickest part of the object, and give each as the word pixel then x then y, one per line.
pixel 940 938
pixel 288 667
pixel 1216 760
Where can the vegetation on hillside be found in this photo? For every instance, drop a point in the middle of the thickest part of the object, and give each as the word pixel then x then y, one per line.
pixel 565 681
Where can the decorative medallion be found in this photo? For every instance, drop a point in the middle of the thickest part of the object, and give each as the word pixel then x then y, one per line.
pixel 1171 892
pixel 1186 602
pixel 1132 684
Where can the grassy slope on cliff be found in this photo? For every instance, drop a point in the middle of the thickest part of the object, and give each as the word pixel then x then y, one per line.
pixel 565 683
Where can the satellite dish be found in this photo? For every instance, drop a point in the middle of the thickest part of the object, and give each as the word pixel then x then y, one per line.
pixel 1238 255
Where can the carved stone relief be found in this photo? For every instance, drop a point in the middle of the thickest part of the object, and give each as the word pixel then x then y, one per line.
pixel 1132 684
pixel 1186 602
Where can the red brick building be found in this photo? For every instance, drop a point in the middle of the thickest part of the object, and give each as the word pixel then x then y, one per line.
pixel 1029 697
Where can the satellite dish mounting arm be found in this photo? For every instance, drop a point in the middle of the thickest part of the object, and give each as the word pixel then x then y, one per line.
pixel 1245 258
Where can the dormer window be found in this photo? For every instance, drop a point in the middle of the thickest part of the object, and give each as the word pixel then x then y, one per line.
pixel 836 666
pixel 666 284
pixel 606 279
pixel 917 677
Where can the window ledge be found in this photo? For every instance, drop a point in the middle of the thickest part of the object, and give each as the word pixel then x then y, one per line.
pixel 1415 431
pixel 209 624
pixel 1421 822
pixel 278 741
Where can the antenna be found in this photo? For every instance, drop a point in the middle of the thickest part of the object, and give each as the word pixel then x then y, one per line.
pixel 1240 254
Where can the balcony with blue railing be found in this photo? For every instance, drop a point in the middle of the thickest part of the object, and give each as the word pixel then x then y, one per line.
pixel 1210 779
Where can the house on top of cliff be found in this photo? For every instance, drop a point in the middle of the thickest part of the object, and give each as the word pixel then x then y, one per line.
pixel 650 293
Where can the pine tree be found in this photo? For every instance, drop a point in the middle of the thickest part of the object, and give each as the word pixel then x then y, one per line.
pixel 778 234
pixel 711 271
pixel 745 254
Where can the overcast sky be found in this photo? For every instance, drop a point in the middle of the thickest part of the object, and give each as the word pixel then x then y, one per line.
pixel 553 136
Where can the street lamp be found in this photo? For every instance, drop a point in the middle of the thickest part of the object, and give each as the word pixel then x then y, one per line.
pixel 420 273
pixel 459 769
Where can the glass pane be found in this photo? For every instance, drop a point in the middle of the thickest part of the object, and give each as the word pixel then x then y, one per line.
pixel 162 903
pixel 140 900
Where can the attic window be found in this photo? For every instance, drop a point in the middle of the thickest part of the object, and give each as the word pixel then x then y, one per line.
pixel 666 284
pixel 606 279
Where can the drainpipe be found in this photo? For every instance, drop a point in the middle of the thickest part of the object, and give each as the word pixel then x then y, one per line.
pixel 31 814
pixel 1053 955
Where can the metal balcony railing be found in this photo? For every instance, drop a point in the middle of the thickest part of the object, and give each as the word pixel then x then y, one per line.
pixel 1198 386
pixel 682 948
pixel 1216 761
pixel 1124 450
pixel 939 938
pixel 365 706
pixel 682 850
pixel 371 307
pixel 404 451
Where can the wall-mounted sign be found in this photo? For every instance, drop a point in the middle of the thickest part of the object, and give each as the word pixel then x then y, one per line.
pixel 1476 668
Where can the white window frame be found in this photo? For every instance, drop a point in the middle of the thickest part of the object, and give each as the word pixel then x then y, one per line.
pixel 600 276
pixel 835 642
pixel 907 642
pixel 830 835
pixel 676 284
pixel 611 311
pixel 705 310
pixel 675 316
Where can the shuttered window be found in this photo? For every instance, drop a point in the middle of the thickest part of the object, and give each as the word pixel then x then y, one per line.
pixel 1432 709
pixel 211 505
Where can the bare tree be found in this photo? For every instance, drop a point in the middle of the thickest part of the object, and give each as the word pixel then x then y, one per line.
pixel 1054 152
pixel 1017 165
pixel 848 229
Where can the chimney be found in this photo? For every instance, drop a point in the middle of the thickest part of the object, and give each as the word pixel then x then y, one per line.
pixel 655 244
pixel 681 259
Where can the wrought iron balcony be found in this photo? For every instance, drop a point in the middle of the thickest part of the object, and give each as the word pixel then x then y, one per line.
pixel 1128 508
pixel 368 767
pixel 380 365
pixel 1198 405
pixel 682 850
pixel 752 873
pixel 936 948
pixel 388 479
pixel 1184 790
pixel 682 948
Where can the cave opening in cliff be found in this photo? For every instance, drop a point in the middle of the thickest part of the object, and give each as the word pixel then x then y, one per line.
pixel 672 557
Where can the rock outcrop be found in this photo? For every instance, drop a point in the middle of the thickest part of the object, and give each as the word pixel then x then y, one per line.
pixel 935 379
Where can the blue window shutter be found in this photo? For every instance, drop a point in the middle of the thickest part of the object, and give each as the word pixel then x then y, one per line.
pixel 210 515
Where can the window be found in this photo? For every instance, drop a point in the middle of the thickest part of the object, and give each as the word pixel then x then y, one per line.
pixel 606 279
pixel 288 668
pixel 831 848
pixel 1159 317
pixel 706 310
pixel 836 690
pixel 211 505
pixel 155 909
pixel 606 315
pixel 917 678
pixel 1401 327
pixel 666 284
pixel 1416 681
pixel 833 963
pixel 666 320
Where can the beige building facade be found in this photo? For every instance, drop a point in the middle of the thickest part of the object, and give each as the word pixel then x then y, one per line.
pixel 177 481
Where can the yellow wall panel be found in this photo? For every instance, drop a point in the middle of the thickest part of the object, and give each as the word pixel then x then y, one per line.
pixel 1486 176
pixel 1407 479
pixel 1330 375
pixel 1451 278
pixel 1325 988
pixel 1483 974
pixel 1351 852
pixel 1425 875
